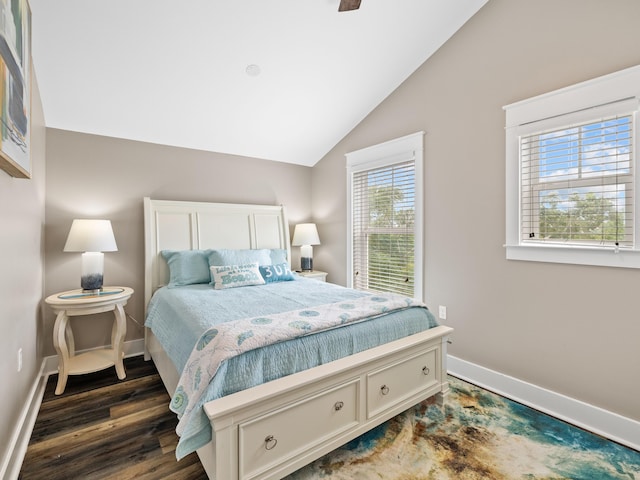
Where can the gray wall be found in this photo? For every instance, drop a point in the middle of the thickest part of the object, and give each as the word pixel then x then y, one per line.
pixel 571 329
pixel 90 176
pixel 21 284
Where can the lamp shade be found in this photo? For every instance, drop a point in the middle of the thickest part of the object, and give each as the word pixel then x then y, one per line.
pixel 91 236
pixel 305 234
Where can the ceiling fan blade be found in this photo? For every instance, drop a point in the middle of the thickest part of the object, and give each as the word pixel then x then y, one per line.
pixel 346 5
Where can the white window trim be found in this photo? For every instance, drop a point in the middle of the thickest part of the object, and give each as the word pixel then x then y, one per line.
pixel 409 146
pixel 579 101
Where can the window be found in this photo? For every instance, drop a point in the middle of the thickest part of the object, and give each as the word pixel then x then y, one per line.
pixel 385 217
pixel 571 161
pixel 577 184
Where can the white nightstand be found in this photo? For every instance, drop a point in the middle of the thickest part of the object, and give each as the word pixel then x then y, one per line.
pixel 314 274
pixel 73 303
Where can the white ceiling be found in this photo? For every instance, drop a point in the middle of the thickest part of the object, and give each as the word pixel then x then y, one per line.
pixel 175 72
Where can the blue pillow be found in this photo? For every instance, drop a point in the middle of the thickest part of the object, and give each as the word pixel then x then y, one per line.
pixel 187 267
pixel 276 273
pixel 278 255
pixel 221 257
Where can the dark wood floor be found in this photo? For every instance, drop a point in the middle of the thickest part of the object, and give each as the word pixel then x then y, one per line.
pixel 105 428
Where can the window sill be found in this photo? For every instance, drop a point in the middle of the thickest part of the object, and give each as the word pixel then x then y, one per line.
pixel 577 256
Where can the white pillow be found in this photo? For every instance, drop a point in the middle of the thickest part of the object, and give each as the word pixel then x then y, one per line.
pixel 230 276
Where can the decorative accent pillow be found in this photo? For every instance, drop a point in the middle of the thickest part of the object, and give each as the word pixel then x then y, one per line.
pixel 276 273
pixel 230 276
pixel 187 267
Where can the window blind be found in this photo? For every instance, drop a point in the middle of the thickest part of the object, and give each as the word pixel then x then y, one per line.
pixel 383 217
pixel 577 184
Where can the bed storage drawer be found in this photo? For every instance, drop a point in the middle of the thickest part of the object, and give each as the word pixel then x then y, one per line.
pixel 272 438
pixel 392 383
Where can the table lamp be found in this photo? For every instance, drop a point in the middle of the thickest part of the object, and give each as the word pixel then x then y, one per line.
pixel 91 237
pixel 305 236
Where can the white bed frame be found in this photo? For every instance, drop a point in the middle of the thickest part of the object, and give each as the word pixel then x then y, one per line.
pixel 271 430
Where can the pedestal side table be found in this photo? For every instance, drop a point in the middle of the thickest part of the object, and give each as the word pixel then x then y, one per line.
pixel 75 303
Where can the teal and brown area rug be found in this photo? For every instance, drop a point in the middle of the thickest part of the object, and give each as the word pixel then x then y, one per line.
pixel 477 435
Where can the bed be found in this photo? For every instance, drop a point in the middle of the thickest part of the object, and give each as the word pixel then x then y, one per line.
pixel 275 424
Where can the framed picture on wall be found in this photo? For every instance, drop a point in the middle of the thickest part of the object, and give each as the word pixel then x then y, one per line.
pixel 15 87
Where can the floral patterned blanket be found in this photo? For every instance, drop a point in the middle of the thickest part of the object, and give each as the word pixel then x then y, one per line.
pixel 227 340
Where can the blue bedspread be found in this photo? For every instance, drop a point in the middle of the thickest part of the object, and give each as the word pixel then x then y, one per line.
pixel 179 316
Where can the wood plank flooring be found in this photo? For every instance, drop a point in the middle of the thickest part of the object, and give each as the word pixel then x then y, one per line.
pixel 105 428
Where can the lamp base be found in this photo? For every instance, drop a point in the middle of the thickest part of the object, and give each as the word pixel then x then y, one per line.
pixel 92 274
pixel 91 283
pixel 306 264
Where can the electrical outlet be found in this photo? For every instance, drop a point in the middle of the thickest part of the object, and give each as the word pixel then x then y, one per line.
pixel 442 312
pixel 19 360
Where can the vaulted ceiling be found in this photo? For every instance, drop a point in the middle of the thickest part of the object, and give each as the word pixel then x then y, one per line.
pixel 281 80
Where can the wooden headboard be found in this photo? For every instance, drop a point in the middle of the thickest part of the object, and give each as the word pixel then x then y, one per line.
pixel 175 225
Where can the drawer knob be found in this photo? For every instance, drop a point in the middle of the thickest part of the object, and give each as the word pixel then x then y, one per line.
pixel 338 406
pixel 425 370
pixel 384 389
pixel 270 442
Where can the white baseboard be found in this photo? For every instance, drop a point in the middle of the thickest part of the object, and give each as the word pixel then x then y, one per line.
pixel 17 445
pixel 17 448
pixel 594 419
